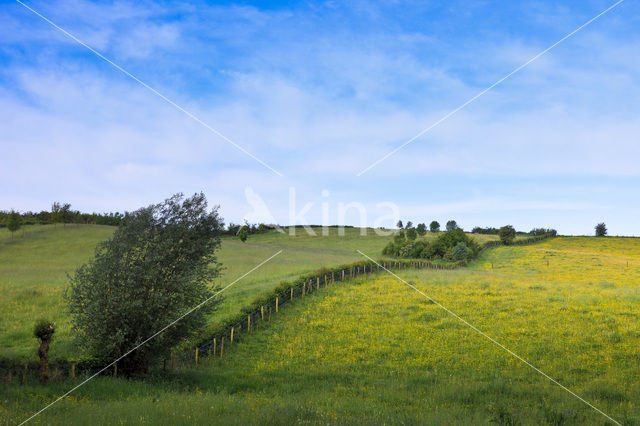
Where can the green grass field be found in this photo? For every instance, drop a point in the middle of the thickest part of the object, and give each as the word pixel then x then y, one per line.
pixel 376 351
pixel 33 274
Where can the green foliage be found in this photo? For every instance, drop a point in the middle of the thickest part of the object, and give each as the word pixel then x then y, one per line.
pixel 66 215
pixel 422 229
pixel 55 212
pixel 460 252
pixel 158 265
pixel 434 226
pixel 14 222
pixel 243 233
pixel 44 330
pixel 601 230
pixel 409 225
pixel 451 225
pixel 507 234
pixel 543 231
pixel 485 231
pixel 399 224
pixel 442 247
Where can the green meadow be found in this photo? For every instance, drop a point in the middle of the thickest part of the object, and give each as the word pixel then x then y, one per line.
pixel 34 268
pixel 375 351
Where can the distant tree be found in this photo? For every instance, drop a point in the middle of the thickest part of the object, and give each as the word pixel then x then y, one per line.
pixel 451 225
pixel 65 214
pixel 158 265
pixel 55 213
pixel 460 251
pixel 409 225
pixel 399 224
pixel 14 222
pixel 243 233
pixel 412 234
pixel 434 226
pixel 507 234
pixel 422 229
pixel 601 230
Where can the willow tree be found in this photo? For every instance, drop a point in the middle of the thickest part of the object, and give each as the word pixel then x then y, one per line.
pixel 158 265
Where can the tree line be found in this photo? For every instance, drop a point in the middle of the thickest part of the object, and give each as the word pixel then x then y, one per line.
pixel 451 245
pixel 59 213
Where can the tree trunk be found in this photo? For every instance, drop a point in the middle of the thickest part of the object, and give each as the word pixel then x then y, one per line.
pixel 43 353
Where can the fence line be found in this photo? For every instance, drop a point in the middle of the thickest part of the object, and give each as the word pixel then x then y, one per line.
pixel 248 318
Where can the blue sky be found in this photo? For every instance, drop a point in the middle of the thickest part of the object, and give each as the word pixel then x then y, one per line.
pixel 319 91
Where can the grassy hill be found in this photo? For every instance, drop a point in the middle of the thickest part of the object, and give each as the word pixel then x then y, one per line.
pixel 34 267
pixel 375 351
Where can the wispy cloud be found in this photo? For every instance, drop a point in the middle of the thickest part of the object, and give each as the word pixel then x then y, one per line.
pixel 319 91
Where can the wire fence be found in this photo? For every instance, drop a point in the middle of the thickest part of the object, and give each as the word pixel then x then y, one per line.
pixel 239 326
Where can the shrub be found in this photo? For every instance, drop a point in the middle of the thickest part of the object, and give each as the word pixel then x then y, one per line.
pixel 601 230
pixel 412 234
pixel 442 246
pixel 460 252
pixel 507 234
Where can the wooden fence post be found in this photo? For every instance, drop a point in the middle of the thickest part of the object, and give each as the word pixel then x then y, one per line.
pixel 232 330
pixel 269 313
pixel 196 356
pixel 325 279
pixel 221 347
pixel 291 293
pixel 249 323
pixel 73 371
pixel 214 346
pixel 342 275
pixel 262 313
pixel 276 304
pixel 24 373
pixel 304 284
pixel 317 282
pixel 115 370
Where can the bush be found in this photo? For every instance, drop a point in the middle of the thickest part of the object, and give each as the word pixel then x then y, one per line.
pixel 157 265
pixel 412 234
pixel 442 247
pixel 460 252
pixel 507 234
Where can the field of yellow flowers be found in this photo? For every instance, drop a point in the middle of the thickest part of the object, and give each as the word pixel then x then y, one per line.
pixel 376 351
